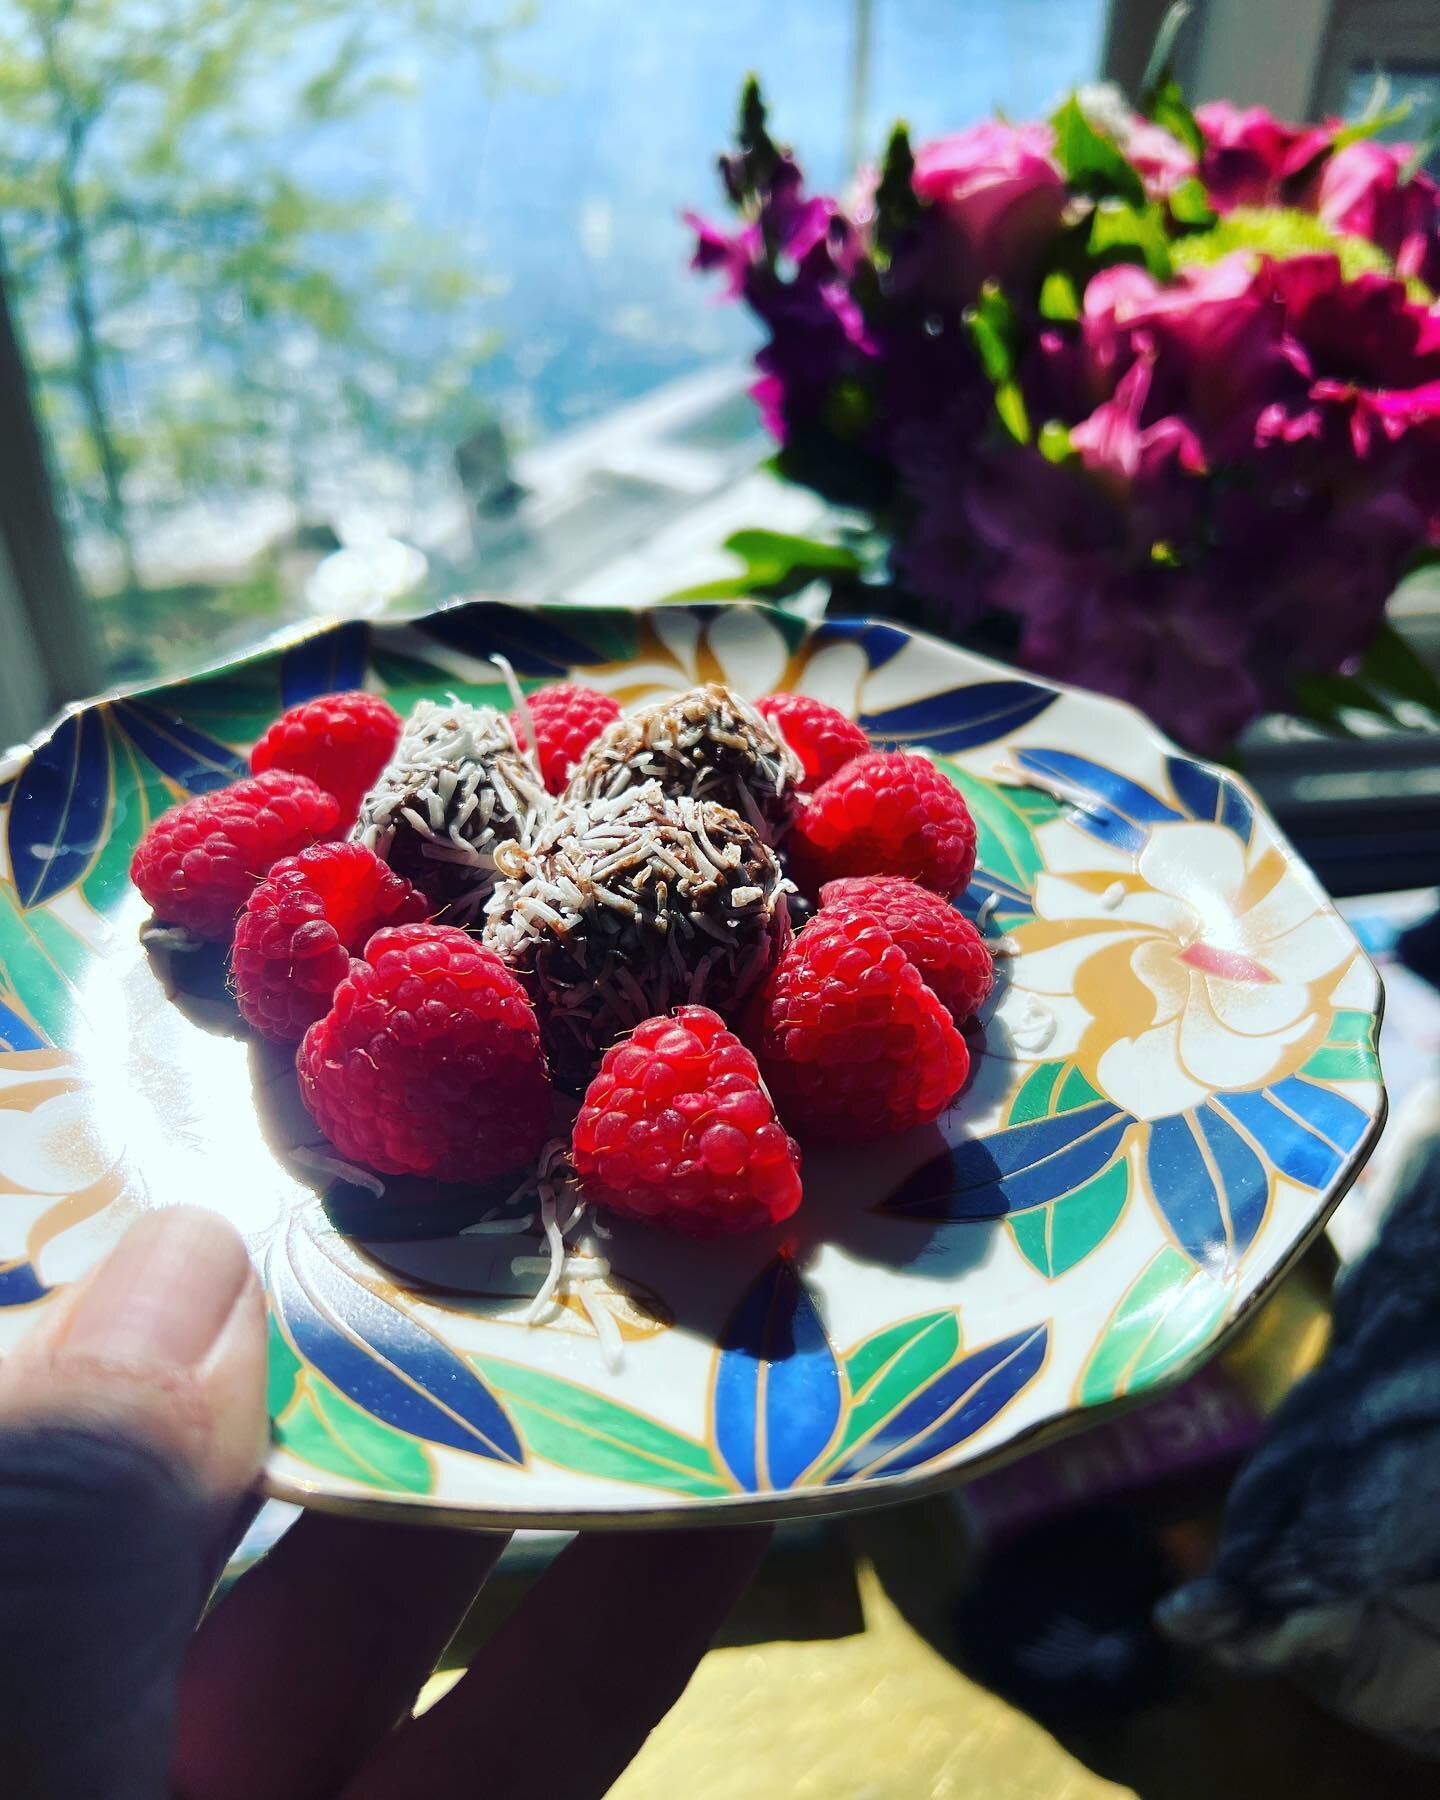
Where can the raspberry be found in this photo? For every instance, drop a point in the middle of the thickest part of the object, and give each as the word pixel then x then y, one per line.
pixel 302 925
pixel 677 1130
pixel 820 735
pixel 341 741
pixel 198 862
pixel 428 1062
pixel 888 813
pixel 852 1042
pixel 567 718
pixel 941 942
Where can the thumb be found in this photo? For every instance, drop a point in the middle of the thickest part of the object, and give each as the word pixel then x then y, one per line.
pixel 132 1420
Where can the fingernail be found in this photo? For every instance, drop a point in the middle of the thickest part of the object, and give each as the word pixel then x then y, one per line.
pixel 164 1293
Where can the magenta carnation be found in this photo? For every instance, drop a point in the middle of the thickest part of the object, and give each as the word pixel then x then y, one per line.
pixel 1190 483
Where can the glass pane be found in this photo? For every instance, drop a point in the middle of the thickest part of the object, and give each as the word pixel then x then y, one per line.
pixel 1415 87
pixel 332 306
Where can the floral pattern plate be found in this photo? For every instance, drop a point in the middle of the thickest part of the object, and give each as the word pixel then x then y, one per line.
pixel 1176 1081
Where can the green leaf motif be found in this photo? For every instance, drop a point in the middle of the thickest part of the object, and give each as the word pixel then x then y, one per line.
pixel 41 959
pixel 234 707
pixel 886 1370
pixel 1167 1314
pixel 1006 820
pixel 576 1428
pixel 319 1426
pixel 406 679
pixel 1054 1238
pixel 138 797
pixel 1348 1053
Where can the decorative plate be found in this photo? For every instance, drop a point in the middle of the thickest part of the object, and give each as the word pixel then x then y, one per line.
pixel 1175 1083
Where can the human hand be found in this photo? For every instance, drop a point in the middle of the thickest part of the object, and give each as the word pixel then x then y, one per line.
pixel 132 1428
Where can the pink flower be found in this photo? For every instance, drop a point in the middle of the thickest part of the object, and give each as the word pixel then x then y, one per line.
pixel 1361 191
pixel 1161 160
pixel 1250 154
pixel 998 197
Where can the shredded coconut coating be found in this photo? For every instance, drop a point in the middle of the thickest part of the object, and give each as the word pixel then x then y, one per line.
pixel 707 744
pixel 456 789
pixel 626 906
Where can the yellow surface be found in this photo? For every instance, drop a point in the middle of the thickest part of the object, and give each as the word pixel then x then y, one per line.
pixel 877 1716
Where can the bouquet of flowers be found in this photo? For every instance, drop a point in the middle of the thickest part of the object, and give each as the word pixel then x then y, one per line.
pixel 1146 399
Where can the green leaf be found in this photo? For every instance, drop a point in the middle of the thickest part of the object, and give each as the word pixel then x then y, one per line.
pixel 775 566
pixel 1010 407
pixel 1393 666
pixel 885 1370
pixel 1160 62
pixel 1168 1313
pixel 1121 232
pixel 1054 1238
pixel 994 331
pixel 1388 673
pixel 896 207
pixel 1190 204
pixel 1059 296
pixel 1093 164
pixel 577 1428
pixel 1170 111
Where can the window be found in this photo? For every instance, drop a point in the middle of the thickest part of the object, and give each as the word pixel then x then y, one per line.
pixel 313 292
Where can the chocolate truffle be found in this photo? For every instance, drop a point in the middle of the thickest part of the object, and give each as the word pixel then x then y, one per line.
pixel 707 744
pixel 456 789
pixel 625 906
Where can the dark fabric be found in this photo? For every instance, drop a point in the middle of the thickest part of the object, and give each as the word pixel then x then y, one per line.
pixel 103 1571
pixel 1329 1562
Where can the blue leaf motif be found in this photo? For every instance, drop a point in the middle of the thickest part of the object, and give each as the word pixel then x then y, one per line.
pixel 19 1284
pixel 17 1033
pixel 198 762
pixel 1009 1171
pixel 535 642
pixel 1306 1130
pixel 59 809
pixel 384 1361
pixel 961 718
pixel 879 641
pixel 1210 1185
pixel 949 1409
pixel 777 1384
pixel 330 662
pixel 1109 805
pixel 1209 796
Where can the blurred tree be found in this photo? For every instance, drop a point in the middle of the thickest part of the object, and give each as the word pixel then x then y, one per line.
pixel 215 297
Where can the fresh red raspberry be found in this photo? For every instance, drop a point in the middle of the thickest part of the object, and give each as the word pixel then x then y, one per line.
pixel 568 718
pixel 302 925
pixel 888 813
pixel 941 942
pixel 198 862
pixel 677 1130
pixel 341 741
pixel 428 1062
pixel 820 735
pixel 852 1042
